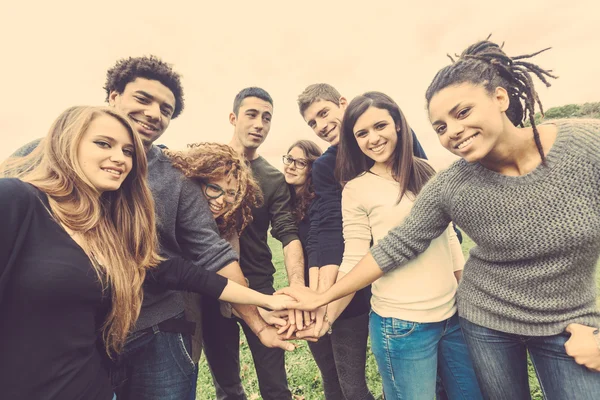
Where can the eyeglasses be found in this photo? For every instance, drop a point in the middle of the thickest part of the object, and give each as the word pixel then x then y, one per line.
pixel 300 163
pixel 213 191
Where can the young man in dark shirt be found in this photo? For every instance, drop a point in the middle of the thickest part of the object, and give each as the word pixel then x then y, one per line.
pixel 156 362
pixel 251 119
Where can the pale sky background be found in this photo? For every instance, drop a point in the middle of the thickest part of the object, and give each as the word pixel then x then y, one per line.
pixel 55 54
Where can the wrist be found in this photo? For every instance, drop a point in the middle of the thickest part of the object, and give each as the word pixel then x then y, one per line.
pixel 329 322
pixel 596 334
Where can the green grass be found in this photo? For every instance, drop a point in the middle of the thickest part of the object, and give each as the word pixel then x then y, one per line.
pixel 303 375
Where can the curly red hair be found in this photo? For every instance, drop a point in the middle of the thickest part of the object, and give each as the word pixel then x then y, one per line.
pixel 206 162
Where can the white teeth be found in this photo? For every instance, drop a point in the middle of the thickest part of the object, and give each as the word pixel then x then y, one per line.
pixel 378 148
pixel 466 142
pixel 146 126
pixel 112 171
pixel 215 208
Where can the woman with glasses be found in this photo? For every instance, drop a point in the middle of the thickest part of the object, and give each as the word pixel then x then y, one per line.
pixel 231 192
pixel 340 360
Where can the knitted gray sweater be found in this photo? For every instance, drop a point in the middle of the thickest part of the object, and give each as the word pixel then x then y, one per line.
pixel 532 271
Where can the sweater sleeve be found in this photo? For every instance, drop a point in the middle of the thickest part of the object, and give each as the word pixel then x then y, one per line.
pixel 197 232
pixel 283 227
pixel 427 220
pixel 312 241
pixel 177 273
pixel 356 228
pixel 330 242
pixel 458 259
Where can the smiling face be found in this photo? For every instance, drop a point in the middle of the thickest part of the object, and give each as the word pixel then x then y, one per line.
pixel 293 175
pixel 468 120
pixel 149 105
pixel 376 135
pixel 325 119
pixel 252 122
pixel 105 153
pixel 220 194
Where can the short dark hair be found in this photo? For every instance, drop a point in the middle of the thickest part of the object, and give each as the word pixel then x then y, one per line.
pixel 250 92
pixel 150 67
pixel 316 92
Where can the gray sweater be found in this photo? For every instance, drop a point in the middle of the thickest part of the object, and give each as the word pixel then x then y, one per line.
pixel 532 271
pixel 185 227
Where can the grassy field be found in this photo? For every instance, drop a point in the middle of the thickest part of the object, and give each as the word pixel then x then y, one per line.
pixel 303 375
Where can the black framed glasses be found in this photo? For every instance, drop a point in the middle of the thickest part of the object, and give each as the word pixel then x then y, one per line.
pixel 213 191
pixel 300 163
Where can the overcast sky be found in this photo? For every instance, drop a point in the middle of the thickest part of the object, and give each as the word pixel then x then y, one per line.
pixel 55 55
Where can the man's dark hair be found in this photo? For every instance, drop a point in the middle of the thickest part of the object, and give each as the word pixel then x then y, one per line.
pixel 250 92
pixel 149 67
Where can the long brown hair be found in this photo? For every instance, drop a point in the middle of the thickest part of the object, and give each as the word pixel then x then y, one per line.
pixel 409 171
pixel 117 226
pixel 205 162
pixel 306 193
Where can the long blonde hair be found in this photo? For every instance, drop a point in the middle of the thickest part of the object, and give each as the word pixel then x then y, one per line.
pixel 117 226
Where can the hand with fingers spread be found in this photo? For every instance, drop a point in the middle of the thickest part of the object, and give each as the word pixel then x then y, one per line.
pixel 306 299
pixel 584 345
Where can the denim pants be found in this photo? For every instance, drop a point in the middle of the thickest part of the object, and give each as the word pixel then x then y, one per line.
pixel 341 358
pixel 410 355
pixel 155 366
pixel 500 361
pixel 221 337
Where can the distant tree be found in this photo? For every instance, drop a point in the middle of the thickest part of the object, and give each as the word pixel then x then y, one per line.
pixel 586 110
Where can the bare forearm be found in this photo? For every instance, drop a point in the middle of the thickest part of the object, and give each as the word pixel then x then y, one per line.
pixel 327 276
pixel 313 278
pixel 336 308
pixel 241 295
pixel 249 313
pixel 363 274
pixel 294 262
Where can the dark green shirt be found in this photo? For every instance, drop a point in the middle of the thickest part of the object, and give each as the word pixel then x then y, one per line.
pixel 255 254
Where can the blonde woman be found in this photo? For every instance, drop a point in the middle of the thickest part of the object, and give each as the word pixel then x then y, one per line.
pixel 77 238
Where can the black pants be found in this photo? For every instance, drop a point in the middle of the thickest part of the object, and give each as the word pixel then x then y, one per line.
pixel 341 358
pixel 222 349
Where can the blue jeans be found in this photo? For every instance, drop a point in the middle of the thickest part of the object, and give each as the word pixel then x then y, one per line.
pixel 155 366
pixel 410 355
pixel 500 361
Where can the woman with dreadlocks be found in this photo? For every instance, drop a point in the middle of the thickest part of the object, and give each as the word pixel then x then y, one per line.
pixel 528 197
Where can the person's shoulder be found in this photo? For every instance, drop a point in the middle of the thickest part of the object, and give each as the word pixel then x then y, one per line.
pixel 583 136
pixel 26 149
pixel 261 166
pixel 15 191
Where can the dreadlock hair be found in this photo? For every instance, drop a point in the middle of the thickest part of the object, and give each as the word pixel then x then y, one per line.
pixel 409 171
pixel 206 162
pixel 304 195
pixel 129 69
pixel 485 63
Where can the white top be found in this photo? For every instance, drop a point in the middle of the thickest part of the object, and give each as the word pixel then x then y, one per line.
pixel 424 289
